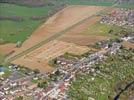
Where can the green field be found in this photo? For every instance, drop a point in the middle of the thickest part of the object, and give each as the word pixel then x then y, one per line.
pixel 99 29
pixel 111 76
pixel 14 10
pixel 91 2
pixel 17 31
pixel 126 6
pixel 101 3
pixel 12 31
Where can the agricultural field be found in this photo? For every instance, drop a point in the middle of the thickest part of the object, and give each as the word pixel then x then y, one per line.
pixel 16 31
pixel 66 49
pixel 57 25
pixel 11 33
pixel 128 45
pixel 39 58
pixel 91 31
pixel 53 28
pixel 92 2
pixel 7 48
pixel 99 29
pixel 82 40
pixel 126 5
pixel 109 78
pixel 38 9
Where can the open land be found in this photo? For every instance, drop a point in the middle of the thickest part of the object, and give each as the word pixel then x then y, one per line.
pixel 39 58
pixel 11 33
pixel 7 48
pixel 76 36
pixel 59 22
pixel 82 34
pixel 82 39
pixel 128 45
pixel 63 41
pixel 30 14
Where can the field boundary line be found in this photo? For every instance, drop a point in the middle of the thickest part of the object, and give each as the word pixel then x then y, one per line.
pixel 56 35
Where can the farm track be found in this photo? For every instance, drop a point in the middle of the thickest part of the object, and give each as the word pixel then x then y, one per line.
pixel 56 35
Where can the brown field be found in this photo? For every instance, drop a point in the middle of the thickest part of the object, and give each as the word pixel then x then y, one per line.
pixel 60 21
pixel 38 59
pixel 89 22
pixel 7 48
pixel 128 45
pixel 82 40
pixel 74 35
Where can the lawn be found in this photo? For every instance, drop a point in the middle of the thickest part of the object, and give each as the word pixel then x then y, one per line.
pixel 112 75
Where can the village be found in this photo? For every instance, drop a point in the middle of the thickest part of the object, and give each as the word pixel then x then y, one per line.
pixel 24 82
pixel 18 81
pixel 120 17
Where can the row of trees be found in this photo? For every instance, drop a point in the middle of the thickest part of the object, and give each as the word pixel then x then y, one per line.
pixel 12 18
pixel 28 3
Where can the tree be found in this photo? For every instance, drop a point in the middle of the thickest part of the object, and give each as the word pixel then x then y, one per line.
pixel 53 77
pixel 110 31
pixel 18 44
pixel 36 71
pixel 57 73
pixel 43 84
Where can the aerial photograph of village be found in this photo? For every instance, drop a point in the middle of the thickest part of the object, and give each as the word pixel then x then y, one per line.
pixel 66 49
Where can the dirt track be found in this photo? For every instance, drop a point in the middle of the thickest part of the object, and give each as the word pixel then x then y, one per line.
pixel 74 35
pixel 38 58
pixel 60 21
